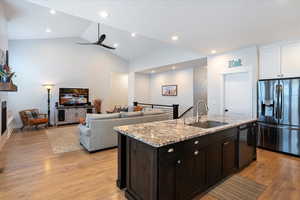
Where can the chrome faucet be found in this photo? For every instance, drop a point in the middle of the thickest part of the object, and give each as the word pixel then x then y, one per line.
pixel 197 107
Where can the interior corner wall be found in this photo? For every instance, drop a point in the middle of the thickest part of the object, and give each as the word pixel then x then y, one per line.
pixel 218 64
pixel 66 64
pixel 200 85
pixel 142 88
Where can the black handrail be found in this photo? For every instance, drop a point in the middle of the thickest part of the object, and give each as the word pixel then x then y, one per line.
pixel 174 106
pixel 150 104
pixel 190 108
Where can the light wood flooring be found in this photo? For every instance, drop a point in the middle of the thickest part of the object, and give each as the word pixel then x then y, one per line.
pixel 33 172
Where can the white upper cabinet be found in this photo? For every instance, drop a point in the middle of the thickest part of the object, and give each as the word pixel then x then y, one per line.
pixel 269 62
pixel 279 60
pixel 290 60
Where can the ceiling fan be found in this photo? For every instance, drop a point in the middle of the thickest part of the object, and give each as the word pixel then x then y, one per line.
pixel 100 40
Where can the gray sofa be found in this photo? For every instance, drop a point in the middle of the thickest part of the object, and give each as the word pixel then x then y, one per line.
pixel 98 131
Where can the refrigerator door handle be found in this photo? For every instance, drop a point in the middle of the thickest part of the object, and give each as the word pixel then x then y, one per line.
pixel 277 98
pixel 281 98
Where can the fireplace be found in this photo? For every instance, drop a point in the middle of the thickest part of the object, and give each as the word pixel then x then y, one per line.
pixel 3 117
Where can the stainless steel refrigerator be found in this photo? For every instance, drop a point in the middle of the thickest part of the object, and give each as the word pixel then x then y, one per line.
pixel 279 115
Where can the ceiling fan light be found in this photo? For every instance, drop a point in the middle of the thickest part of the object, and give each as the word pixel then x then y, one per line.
pixel 175 37
pixel 103 14
pixel 52 12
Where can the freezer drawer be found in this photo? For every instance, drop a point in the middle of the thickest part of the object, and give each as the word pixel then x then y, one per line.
pixel 285 139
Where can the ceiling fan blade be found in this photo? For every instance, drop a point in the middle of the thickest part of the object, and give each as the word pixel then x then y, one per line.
pixel 80 43
pixel 98 31
pixel 106 46
pixel 101 38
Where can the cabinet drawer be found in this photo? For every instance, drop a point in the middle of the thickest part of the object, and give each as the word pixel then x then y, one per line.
pixel 170 152
pixel 222 135
pixel 196 143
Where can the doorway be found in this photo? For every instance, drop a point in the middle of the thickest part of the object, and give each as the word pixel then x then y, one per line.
pixel 237 93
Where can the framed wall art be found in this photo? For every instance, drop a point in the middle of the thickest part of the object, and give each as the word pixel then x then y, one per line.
pixel 169 90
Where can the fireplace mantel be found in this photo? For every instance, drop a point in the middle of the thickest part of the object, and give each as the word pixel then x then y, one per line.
pixel 8 87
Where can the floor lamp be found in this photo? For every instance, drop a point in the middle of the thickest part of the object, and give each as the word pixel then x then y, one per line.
pixel 48 86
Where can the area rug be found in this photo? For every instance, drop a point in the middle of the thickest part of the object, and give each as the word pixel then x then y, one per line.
pixel 64 139
pixel 237 188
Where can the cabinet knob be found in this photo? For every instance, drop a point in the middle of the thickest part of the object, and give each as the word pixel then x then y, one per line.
pixel 171 150
pixel 226 143
pixel 178 161
pixel 196 142
pixel 196 152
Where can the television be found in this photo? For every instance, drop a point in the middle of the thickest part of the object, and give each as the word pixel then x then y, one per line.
pixel 73 96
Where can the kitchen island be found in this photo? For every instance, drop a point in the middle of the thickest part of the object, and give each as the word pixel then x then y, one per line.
pixel 178 159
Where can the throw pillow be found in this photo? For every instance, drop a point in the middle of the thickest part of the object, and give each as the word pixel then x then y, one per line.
pixel 29 114
pixel 138 108
pixel 34 114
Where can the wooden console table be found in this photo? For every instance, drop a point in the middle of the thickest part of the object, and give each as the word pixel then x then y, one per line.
pixel 71 114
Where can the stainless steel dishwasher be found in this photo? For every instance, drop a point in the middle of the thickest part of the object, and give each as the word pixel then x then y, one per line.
pixel 247 144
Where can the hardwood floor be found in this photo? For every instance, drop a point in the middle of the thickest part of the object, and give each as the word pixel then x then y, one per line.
pixel 32 171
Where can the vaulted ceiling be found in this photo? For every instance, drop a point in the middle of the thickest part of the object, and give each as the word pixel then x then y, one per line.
pixel 30 21
pixel 201 25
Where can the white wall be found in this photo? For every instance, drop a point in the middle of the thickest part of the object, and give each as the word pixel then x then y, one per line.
pixel 3 28
pixel 182 78
pixel 66 64
pixel 164 56
pixel 3 45
pixel 219 64
pixel 142 88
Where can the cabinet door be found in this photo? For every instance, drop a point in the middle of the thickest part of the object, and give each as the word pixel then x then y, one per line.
pixel 290 60
pixel 214 163
pixel 167 180
pixel 199 169
pixel 269 64
pixel 191 174
pixel 229 158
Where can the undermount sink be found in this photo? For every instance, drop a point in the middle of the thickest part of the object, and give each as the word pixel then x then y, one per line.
pixel 208 124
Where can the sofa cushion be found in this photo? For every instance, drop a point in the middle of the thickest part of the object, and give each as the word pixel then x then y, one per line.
pixel 130 114
pixel 102 116
pixel 38 121
pixel 154 112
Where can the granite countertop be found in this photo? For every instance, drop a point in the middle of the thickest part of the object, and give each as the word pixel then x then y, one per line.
pixel 161 133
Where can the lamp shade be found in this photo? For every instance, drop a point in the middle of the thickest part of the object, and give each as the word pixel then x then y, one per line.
pixel 48 85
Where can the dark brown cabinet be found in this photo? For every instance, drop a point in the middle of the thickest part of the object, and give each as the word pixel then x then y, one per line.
pixel 181 170
pixel 188 168
pixel 229 157
pixel 214 163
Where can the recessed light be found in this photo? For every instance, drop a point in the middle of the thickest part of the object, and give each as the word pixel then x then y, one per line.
pixel 115 45
pixel 175 37
pixel 133 34
pixel 48 30
pixel 52 11
pixel 173 67
pixel 103 14
pixel 213 51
